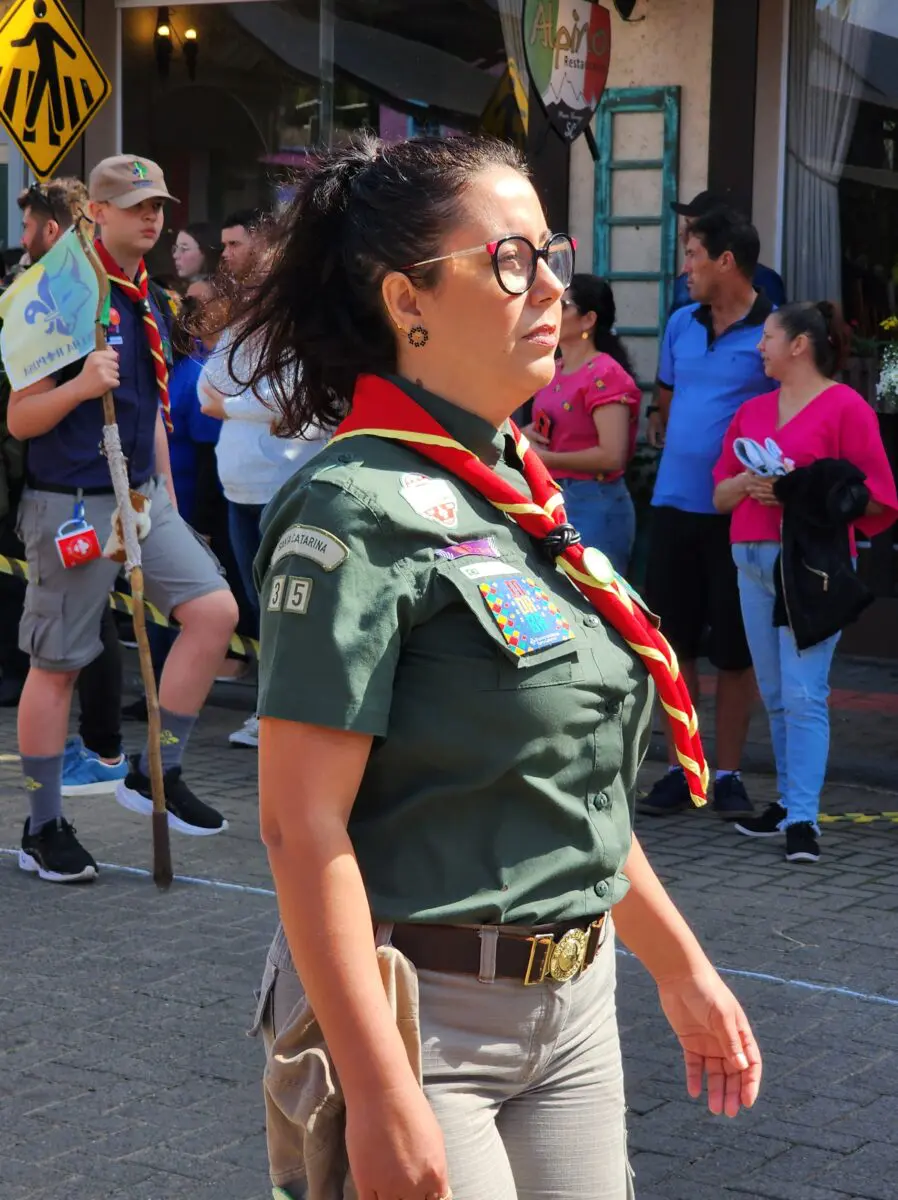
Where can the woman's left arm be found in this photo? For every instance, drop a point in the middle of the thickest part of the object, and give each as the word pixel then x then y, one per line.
pixel 612 422
pixel 717 1041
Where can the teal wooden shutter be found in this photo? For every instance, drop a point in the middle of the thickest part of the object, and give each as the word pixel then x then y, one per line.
pixel 635 243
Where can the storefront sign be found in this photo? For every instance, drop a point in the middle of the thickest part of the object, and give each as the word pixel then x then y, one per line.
pixel 568 48
pixel 50 83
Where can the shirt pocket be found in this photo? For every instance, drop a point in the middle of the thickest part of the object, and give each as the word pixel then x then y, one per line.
pixel 507 668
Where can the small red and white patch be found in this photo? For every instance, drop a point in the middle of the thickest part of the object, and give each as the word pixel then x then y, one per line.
pixel 430 498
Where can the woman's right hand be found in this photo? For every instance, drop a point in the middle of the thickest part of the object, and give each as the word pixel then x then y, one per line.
pixel 395 1147
pixel 533 435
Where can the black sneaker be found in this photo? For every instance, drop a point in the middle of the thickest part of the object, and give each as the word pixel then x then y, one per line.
pixel 186 812
pixel 55 854
pixel 731 799
pixel 136 711
pixel 766 825
pixel 801 843
pixel 669 795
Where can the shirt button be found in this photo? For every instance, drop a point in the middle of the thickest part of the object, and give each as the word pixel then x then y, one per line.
pixel 592 622
pixel 601 889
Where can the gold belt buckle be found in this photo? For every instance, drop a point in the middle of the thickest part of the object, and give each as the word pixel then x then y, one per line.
pixel 562 960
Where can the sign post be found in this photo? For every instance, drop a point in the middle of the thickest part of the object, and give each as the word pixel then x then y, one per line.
pixel 51 85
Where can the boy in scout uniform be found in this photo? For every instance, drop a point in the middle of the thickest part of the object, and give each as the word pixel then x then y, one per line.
pixel 69 489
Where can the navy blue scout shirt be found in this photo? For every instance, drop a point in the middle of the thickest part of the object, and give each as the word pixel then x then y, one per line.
pixel 710 377
pixel 69 455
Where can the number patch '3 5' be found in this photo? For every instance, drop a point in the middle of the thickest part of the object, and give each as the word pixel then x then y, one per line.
pixel 289 594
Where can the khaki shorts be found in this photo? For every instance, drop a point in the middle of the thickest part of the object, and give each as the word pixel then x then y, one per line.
pixel 60 627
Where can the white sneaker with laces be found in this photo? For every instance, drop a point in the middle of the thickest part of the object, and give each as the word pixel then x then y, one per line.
pixel 247 735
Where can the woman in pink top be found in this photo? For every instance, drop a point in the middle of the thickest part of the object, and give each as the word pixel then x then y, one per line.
pixel 585 422
pixel 810 418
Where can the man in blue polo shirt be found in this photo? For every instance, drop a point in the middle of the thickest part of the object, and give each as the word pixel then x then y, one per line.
pixel 709 366
pixel 68 478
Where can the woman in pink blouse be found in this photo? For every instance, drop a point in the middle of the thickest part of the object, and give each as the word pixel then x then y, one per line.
pixel 585 422
pixel 809 418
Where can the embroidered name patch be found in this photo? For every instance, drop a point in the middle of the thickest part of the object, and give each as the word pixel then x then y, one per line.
pixel 482 570
pixel 485 547
pixel 525 614
pixel 306 541
pixel 290 594
pixel 431 498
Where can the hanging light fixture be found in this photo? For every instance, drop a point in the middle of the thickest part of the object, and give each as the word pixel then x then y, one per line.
pixel 162 42
pixel 191 50
pixel 625 9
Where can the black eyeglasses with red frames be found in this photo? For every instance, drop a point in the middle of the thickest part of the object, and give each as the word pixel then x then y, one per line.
pixel 515 260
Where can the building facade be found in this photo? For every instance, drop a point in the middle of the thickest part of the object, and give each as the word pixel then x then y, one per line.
pixel 789 108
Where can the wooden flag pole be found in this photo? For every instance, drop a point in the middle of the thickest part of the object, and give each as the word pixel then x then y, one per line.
pixel 162 863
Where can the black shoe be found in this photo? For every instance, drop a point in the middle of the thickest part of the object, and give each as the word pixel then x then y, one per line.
pixel 136 711
pixel 731 799
pixel 801 843
pixel 186 813
pixel 55 854
pixel 669 795
pixel 10 690
pixel 766 825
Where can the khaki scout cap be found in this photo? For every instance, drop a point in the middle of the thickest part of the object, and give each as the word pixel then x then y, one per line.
pixel 126 180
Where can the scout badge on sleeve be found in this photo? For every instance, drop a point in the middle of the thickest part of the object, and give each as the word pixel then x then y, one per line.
pixel 76 541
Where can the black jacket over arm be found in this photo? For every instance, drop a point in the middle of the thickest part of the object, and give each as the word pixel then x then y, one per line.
pixel 818 592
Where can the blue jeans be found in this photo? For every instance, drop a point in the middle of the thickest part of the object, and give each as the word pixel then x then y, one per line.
pixel 794 685
pixel 604 516
pixel 243 526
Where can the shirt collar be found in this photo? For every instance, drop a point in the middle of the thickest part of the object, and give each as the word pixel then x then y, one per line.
pixel 757 315
pixel 474 433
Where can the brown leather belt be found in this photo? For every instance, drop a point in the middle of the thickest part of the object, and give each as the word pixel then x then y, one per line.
pixel 530 954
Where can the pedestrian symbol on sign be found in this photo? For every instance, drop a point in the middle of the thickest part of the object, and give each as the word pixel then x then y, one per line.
pixel 45 40
pixel 50 83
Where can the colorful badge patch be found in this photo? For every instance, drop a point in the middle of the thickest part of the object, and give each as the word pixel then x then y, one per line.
pixel 307 541
pixel 525 614
pixel 484 547
pixel 431 498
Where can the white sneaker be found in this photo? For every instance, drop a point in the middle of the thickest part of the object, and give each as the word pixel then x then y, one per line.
pixel 247 734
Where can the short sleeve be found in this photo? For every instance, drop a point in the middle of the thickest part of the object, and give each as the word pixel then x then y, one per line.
pixel 728 465
pixel 860 443
pixel 613 386
pixel 667 372
pixel 335 602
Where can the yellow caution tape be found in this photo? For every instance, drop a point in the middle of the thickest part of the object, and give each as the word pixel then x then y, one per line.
pixel 124 603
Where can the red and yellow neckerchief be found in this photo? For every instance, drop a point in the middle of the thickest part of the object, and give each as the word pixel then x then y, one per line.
pixel 139 292
pixel 381 409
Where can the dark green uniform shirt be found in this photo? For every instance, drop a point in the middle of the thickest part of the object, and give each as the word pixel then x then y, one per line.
pixel 500 783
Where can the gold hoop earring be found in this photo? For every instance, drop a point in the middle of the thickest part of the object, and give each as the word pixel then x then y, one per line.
pixel 585 335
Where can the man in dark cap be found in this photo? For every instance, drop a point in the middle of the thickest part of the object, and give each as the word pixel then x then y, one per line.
pixel 765 279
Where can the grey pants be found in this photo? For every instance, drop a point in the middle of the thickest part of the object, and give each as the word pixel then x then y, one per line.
pixel 526 1083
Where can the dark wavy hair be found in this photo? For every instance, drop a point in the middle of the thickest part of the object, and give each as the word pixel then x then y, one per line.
pixel 825 328
pixel 317 320
pixel 592 294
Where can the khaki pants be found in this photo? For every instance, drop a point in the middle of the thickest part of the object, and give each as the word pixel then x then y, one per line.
pixel 526 1083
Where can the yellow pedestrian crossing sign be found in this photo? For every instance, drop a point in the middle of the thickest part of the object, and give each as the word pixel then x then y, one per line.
pixel 50 83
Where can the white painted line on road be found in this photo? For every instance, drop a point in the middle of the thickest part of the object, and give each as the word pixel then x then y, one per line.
pixel 222 884
pixel 806 985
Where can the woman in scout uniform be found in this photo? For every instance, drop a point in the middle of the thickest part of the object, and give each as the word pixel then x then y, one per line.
pixel 585 422
pixel 451 730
